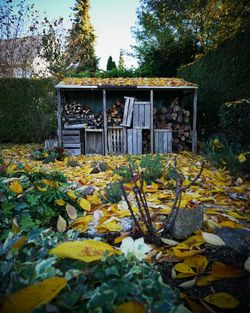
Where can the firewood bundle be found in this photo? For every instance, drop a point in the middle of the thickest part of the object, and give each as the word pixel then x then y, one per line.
pixel 75 113
pixel 176 118
pixel 146 141
pixel 115 113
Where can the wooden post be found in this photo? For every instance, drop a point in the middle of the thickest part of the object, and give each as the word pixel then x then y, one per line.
pixel 105 122
pixel 59 120
pixel 194 132
pixel 152 120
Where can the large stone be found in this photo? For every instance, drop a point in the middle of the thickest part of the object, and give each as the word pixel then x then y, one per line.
pixel 187 221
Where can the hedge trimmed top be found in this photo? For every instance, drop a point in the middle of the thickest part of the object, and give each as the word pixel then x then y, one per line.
pixel 121 82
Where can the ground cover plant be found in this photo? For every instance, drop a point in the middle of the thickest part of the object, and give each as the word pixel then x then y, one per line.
pixel 70 241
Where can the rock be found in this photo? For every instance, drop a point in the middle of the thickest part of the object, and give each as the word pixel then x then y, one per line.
pixel 85 191
pixel 187 221
pixel 237 239
pixel 99 167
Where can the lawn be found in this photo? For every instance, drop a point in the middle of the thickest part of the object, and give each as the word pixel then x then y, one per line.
pixel 70 244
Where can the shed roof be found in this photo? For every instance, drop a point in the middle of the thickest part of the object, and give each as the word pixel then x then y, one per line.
pixel 120 82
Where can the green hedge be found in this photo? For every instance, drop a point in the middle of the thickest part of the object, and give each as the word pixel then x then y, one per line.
pixel 27 110
pixel 222 75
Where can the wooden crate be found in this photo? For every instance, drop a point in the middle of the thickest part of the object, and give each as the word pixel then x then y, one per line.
pixel 71 136
pixel 116 140
pixel 134 141
pixel 73 148
pixel 128 111
pixel 94 141
pixel 141 115
pixel 163 140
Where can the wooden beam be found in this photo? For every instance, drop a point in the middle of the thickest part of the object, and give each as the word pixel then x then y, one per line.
pixel 105 122
pixel 59 119
pixel 152 120
pixel 194 132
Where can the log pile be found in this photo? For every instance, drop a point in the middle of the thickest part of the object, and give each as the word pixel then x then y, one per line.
pixel 146 147
pixel 176 118
pixel 74 113
pixel 115 113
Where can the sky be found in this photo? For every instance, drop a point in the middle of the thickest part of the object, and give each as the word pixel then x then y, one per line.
pixel 112 21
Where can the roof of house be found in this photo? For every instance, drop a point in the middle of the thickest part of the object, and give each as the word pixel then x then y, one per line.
pixel 135 83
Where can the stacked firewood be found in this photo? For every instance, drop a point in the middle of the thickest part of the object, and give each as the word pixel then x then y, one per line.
pixel 146 146
pixel 75 113
pixel 115 113
pixel 176 118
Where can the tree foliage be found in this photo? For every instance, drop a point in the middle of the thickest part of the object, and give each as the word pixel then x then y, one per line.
pixel 82 38
pixel 173 33
pixel 111 64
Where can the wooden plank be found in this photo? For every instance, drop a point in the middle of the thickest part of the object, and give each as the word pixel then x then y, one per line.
pixel 128 111
pixel 163 140
pixel 152 120
pixel 194 132
pixel 116 138
pixel 141 115
pixel 134 141
pixel 59 117
pixel 94 141
pixel 105 122
pixel 70 132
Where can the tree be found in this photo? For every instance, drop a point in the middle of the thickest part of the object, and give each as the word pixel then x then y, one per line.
pixel 170 33
pixel 110 64
pixel 121 64
pixel 82 38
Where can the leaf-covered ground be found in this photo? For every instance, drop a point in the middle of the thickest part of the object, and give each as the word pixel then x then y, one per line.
pixel 210 268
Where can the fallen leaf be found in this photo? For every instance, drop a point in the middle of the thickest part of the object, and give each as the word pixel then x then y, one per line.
pixel 212 239
pixel 71 211
pixel 61 224
pixel 225 271
pixel 26 299
pixel 130 307
pixel 169 242
pixel 85 204
pixel 81 223
pixel 19 243
pixel 247 264
pixel 222 300
pixel 199 262
pixel 16 187
pixel 183 268
pixel 86 250
pixel 188 283
pixel 206 280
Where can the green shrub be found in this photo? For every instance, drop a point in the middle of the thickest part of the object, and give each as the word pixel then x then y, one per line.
pixel 124 172
pixel 226 156
pixel 48 155
pixel 222 75
pixel 114 192
pixel 27 110
pixel 151 166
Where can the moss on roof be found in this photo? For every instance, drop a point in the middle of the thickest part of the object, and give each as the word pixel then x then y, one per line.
pixel 133 82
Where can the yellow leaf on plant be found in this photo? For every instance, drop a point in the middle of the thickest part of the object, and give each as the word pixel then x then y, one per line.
pixel 242 158
pixel 61 224
pixel 131 307
pixel 60 202
pixel 222 300
pixel 71 211
pixel 26 299
pixel 225 271
pixel 48 182
pixel 71 194
pixel 42 189
pixel 86 250
pixel 19 243
pixel 16 187
pixel 15 228
pixel 85 204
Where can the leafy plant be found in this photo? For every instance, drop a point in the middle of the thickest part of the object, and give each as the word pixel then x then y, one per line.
pixel 72 163
pixel 151 166
pixel 48 155
pixel 124 172
pixel 114 192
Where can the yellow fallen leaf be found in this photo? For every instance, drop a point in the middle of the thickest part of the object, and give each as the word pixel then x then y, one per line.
pixel 41 189
pixel 183 268
pixel 81 223
pixel 206 280
pixel 112 226
pixel 86 250
pixel 242 158
pixel 61 224
pixel 225 271
pixel 130 307
pixel 183 254
pixel 85 204
pixel 71 211
pixel 199 262
pixel 26 299
pixel 60 202
pixel 16 187
pixel 222 300
pixel 169 242
pixel 188 283
pixel 213 239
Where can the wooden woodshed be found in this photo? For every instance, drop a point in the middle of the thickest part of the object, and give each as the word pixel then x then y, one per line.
pixel 126 115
